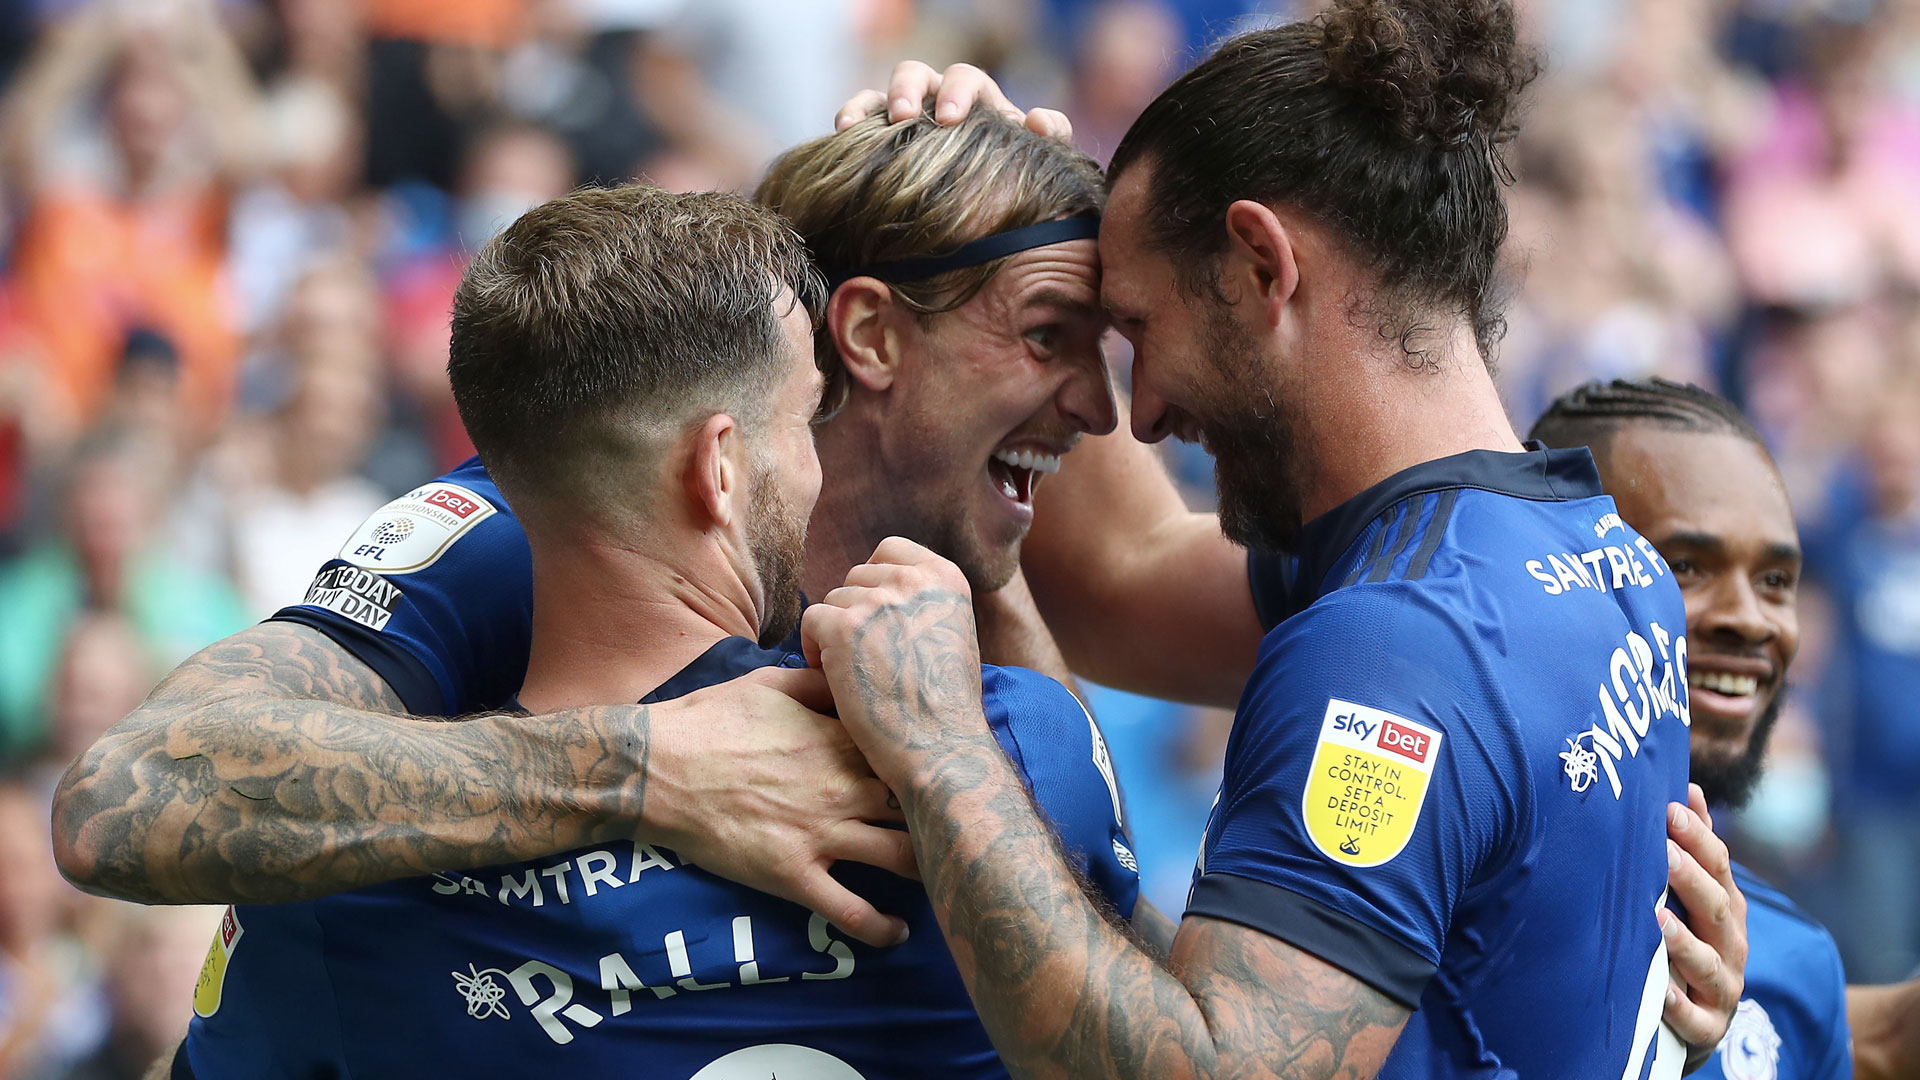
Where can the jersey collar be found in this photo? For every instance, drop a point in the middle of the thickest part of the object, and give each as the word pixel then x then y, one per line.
pixel 1540 474
pixel 726 659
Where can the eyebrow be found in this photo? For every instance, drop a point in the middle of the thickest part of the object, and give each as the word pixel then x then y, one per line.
pixel 1775 552
pixel 1054 296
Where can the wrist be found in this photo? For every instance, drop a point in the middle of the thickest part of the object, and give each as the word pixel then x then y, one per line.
pixel 646 793
pixel 960 766
pixel 586 779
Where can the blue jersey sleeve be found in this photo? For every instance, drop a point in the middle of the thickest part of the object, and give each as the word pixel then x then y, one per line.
pixel 1367 785
pixel 434 592
pixel 1055 742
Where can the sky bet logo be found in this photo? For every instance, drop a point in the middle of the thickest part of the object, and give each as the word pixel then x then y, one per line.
pixel 1398 738
pixel 1404 741
pixel 457 505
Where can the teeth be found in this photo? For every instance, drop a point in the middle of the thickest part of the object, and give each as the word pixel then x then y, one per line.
pixel 1722 683
pixel 1029 460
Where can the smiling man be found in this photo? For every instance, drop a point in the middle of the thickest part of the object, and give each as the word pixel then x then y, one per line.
pixel 962 349
pixel 962 342
pixel 1688 471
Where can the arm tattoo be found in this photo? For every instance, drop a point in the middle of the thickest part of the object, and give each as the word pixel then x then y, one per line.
pixel 1063 991
pixel 273 766
pixel 1153 928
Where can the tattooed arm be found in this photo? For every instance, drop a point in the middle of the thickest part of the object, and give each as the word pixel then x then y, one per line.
pixel 1063 992
pixel 1154 927
pixel 274 766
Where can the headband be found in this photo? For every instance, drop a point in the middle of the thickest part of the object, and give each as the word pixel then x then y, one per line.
pixel 984 250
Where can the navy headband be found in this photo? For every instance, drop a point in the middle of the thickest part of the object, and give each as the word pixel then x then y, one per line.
pixel 984 250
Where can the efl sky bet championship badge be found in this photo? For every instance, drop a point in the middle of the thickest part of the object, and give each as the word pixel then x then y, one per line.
pixel 410 533
pixel 413 531
pixel 1367 784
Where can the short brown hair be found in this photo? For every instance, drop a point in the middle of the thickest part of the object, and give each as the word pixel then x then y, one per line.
pixel 879 192
pixel 604 319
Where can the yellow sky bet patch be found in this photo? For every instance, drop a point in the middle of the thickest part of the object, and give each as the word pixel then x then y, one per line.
pixel 213 973
pixel 1368 782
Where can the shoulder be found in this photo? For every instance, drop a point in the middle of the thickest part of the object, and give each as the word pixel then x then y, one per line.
pixel 1780 933
pixel 1398 642
pixel 1381 681
pixel 414 531
pixel 1061 753
pixel 434 590
pixel 1025 690
pixel 1032 714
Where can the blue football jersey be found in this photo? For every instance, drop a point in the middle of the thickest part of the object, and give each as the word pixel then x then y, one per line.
pixel 1449 772
pixel 620 956
pixel 1792 1020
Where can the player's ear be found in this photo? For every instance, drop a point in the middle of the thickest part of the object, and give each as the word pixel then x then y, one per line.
pixel 865 321
pixel 715 477
pixel 1261 263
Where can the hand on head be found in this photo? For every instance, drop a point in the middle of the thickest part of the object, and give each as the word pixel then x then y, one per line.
pixel 955 91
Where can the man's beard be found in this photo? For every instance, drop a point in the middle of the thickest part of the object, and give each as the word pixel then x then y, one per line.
pixel 1730 781
pixel 1255 458
pixel 777 540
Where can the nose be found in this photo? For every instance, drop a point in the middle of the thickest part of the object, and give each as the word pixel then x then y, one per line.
pixel 1150 414
pixel 1086 398
pixel 1734 608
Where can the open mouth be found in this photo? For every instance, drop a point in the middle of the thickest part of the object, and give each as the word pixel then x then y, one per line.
pixel 1015 473
pixel 1727 688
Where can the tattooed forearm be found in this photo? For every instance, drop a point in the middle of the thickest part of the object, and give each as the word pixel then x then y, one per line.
pixel 1066 994
pixel 1063 991
pixel 272 766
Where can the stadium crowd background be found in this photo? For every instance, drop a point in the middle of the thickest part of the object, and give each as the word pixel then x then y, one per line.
pixel 230 231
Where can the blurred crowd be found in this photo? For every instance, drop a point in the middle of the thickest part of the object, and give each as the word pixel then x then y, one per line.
pixel 230 231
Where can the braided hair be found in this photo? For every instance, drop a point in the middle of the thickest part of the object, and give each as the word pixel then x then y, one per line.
pixel 1591 414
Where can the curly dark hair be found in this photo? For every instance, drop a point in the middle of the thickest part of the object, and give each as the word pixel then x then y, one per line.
pixel 1384 120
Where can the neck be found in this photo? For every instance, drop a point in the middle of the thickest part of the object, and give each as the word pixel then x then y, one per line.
pixel 848 521
pixel 611 623
pixel 1389 415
